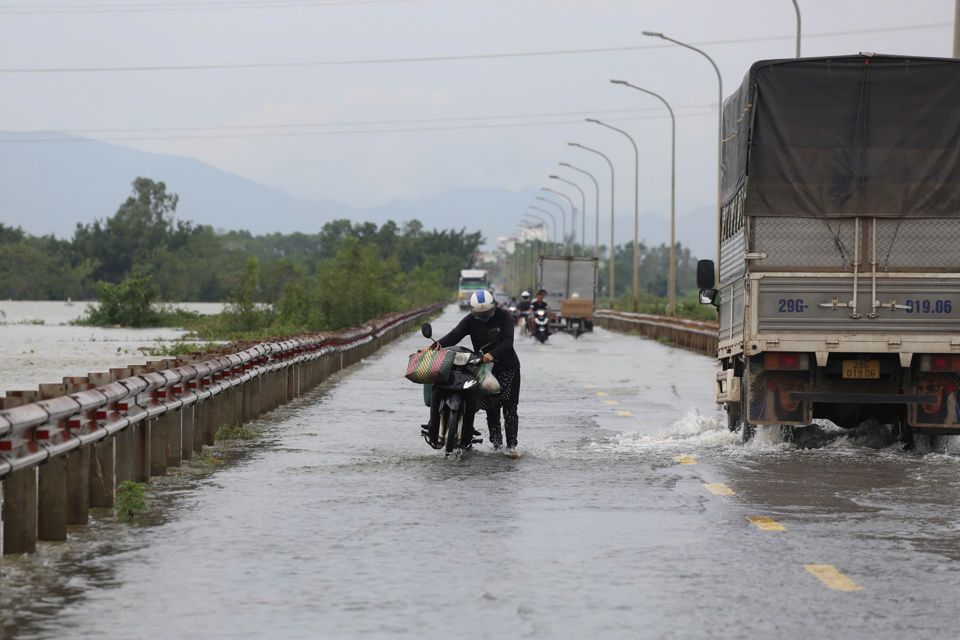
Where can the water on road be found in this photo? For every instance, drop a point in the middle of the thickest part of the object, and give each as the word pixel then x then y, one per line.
pixel 342 523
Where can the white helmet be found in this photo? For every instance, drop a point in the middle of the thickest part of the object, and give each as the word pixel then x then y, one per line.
pixel 482 305
pixel 575 296
pixel 525 295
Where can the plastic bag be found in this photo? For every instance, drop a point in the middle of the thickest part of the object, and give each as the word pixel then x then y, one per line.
pixel 488 383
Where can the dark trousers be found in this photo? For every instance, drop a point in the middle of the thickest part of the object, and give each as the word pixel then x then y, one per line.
pixel 507 400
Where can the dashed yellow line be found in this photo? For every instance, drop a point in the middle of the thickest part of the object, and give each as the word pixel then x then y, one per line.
pixel 832 578
pixel 719 489
pixel 685 459
pixel 590 386
pixel 767 524
pixel 658 438
pixel 624 414
pixel 601 393
pixel 611 402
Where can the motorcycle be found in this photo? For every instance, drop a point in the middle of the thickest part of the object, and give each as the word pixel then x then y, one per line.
pixel 458 398
pixel 541 325
pixel 514 311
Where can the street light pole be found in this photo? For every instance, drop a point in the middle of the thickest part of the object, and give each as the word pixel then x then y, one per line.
pixel 636 212
pixel 583 210
pixel 796 8
pixel 563 229
pixel 553 218
pixel 573 214
pixel 673 191
pixel 719 131
pixel 596 210
pixel 597 236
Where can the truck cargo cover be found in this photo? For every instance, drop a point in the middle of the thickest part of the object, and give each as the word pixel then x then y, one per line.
pixel 845 136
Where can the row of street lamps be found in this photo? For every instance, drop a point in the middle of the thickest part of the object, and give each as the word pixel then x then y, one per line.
pixel 636 191
pixel 636 194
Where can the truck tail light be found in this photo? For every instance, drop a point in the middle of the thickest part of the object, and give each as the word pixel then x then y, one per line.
pixel 939 362
pixel 786 361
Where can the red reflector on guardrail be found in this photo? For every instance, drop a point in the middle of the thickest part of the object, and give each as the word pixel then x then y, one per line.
pixel 100 415
pixel 43 434
pixel 177 389
pixel 123 406
pixel 74 424
pixel 161 393
pixel 6 445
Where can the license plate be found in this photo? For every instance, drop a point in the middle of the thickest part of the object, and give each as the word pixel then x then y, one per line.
pixel 862 369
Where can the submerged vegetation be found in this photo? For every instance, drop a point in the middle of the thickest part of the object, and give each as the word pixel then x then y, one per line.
pixel 130 500
pixel 235 432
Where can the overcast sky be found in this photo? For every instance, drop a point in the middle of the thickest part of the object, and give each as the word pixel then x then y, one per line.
pixel 364 169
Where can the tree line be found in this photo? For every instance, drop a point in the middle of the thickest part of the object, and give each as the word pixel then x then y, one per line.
pixel 347 272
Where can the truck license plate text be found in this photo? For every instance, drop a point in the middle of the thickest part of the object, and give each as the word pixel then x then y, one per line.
pixel 862 369
pixel 929 306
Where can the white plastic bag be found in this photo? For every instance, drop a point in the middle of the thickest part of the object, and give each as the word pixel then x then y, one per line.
pixel 488 383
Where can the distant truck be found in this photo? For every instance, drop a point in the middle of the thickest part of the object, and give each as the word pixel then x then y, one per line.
pixel 839 288
pixel 470 281
pixel 571 290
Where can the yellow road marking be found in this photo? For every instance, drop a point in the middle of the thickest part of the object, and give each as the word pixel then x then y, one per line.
pixel 611 402
pixel 685 459
pixel 658 438
pixel 767 524
pixel 601 393
pixel 828 575
pixel 720 489
pixel 624 414
pixel 591 386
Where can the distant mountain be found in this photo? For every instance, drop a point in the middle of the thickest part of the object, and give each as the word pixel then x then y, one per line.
pixel 50 187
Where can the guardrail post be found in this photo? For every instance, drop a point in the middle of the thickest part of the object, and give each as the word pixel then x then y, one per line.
pixel 52 483
pixel 78 466
pixel 186 443
pixel 20 512
pixel 52 508
pixel 125 443
pixel 158 446
pixel 101 474
pixel 174 428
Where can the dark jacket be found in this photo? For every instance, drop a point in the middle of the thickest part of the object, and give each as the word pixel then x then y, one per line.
pixel 504 355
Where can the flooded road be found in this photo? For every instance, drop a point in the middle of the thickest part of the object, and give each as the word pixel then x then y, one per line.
pixel 342 523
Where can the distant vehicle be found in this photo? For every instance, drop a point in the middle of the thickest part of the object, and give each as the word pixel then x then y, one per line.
pixel 470 281
pixel 571 286
pixel 839 274
pixel 502 299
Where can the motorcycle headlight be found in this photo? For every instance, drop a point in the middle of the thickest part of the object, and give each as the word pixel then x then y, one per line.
pixel 461 359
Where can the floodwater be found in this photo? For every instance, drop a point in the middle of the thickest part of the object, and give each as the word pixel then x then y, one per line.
pixel 38 345
pixel 341 523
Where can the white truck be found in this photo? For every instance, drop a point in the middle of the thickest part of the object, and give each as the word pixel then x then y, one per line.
pixel 570 284
pixel 839 287
pixel 470 281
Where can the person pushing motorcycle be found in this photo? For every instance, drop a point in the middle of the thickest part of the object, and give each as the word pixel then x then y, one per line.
pixel 485 315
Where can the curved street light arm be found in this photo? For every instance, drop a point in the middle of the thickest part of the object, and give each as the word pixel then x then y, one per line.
pixel 636 213
pixel 563 217
pixel 613 183
pixel 671 294
pixel 583 211
pixel 596 211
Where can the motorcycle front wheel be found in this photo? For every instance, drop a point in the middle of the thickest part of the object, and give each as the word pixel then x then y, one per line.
pixel 450 424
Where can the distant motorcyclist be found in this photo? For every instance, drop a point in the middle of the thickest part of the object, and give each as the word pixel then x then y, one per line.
pixel 523 310
pixel 540 303
pixel 485 315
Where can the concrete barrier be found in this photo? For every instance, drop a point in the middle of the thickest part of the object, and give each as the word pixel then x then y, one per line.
pixel 698 335
pixel 65 448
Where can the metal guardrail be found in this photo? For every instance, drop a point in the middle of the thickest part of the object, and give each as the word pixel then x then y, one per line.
pixel 139 424
pixel 698 335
